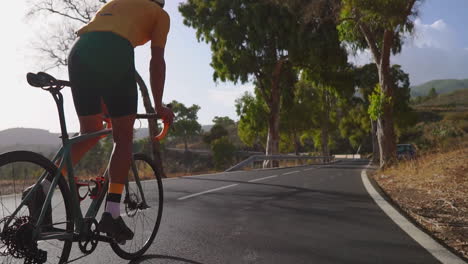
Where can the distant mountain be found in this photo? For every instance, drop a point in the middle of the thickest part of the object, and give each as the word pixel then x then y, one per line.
pixel 26 136
pixel 43 141
pixel 38 140
pixel 441 86
pixel 454 99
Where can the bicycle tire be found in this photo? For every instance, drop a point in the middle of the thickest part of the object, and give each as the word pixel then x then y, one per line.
pixel 144 165
pixel 31 165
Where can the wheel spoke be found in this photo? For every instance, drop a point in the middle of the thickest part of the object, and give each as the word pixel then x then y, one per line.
pixel 19 169
pixel 144 223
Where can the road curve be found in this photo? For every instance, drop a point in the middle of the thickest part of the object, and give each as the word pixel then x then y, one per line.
pixel 312 214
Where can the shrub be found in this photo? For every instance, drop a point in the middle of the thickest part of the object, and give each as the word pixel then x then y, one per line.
pixel 223 152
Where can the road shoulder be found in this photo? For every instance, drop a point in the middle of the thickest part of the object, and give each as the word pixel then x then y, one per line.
pixel 393 209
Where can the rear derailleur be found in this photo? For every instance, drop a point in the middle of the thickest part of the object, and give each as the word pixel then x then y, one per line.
pixel 16 240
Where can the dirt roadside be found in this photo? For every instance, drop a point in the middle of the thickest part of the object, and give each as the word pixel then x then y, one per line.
pixel 433 190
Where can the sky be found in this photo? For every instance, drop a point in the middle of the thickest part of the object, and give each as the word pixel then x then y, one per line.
pixel 437 50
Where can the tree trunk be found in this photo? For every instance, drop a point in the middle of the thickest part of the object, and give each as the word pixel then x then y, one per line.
pixel 325 124
pixel 272 146
pixel 273 135
pixel 375 142
pixel 297 144
pixel 185 143
pixel 152 124
pixel 385 128
pixel 324 140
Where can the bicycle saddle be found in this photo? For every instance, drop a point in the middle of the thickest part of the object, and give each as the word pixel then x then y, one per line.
pixel 42 79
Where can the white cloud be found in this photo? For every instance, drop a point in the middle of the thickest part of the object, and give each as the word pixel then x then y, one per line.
pixel 436 35
pixel 434 52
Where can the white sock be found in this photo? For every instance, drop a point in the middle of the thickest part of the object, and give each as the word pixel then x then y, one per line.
pixel 113 208
pixel 46 185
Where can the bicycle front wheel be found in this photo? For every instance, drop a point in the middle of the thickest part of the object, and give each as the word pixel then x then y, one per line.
pixel 18 171
pixel 141 208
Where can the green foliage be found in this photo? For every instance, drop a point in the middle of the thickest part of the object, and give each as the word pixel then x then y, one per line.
pixel 185 124
pixel 248 37
pixel 355 124
pixel 223 152
pixel 253 124
pixel 249 40
pixel 367 78
pixel 376 16
pixel 216 132
pixel 377 101
pixel 223 121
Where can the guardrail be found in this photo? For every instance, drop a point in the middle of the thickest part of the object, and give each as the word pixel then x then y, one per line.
pixel 255 158
pixel 347 156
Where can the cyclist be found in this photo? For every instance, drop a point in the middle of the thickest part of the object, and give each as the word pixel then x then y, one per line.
pixel 102 70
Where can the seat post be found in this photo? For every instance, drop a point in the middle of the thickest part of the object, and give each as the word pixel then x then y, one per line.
pixel 58 98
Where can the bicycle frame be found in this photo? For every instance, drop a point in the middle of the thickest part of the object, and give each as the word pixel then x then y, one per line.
pixel 63 157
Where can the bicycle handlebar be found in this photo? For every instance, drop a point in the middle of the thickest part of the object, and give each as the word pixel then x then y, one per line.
pixel 165 128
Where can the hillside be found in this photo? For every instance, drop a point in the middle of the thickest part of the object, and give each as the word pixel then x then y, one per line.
pixel 40 140
pixel 441 86
pixel 26 136
pixel 453 99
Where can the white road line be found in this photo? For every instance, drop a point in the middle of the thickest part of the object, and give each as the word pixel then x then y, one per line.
pixel 437 250
pixel 264 178
pixel 309 169
pixel 291 172
pixel 208 191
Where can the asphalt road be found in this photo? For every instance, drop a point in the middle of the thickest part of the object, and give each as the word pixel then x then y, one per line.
pixel 313 214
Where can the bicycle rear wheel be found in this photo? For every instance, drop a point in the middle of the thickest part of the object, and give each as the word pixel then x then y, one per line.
pixel 19 170
pixel 141 208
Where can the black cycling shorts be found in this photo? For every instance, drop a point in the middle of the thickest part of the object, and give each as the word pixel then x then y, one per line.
pixel 101 65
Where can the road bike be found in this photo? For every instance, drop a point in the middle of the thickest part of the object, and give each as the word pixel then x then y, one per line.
pixel 28 237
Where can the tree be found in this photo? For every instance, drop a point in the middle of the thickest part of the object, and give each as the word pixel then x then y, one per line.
pixel 223 152
pixel 256 41
pixel 354 124
pixel 379 25
pixel 367 79
pixel 322 112
pixel 297 116
pixel 223 121
pixel 185 124
pixel 253 125
pixel 55 47
pixel 216 132
pixel 432 93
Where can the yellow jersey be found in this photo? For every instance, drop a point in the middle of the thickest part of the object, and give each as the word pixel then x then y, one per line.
pixel 138 21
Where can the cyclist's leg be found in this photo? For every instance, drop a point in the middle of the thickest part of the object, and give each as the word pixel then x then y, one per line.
pixel 122 131
pixel 121 98
pixel 88 124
